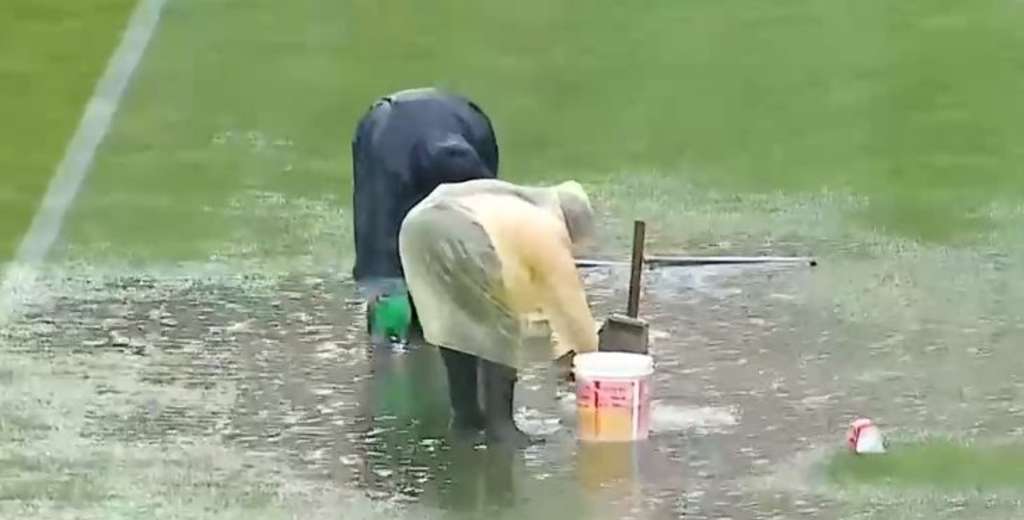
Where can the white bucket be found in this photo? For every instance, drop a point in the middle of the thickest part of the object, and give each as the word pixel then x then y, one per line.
pixel 613 398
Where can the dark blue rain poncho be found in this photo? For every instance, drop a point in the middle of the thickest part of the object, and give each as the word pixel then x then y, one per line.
pixel 406 145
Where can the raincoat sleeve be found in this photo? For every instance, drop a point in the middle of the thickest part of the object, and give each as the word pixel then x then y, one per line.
pixel 561 293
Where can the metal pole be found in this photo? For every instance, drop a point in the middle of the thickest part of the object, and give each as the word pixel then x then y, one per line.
pixel 636 269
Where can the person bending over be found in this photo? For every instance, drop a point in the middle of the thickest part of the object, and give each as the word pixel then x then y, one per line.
pixel 482 256
pixel 407 144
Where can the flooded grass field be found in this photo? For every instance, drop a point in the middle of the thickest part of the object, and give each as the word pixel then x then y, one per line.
pixel 193 348
pixel 211 391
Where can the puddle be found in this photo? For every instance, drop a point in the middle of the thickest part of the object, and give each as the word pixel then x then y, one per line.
pixel 275 371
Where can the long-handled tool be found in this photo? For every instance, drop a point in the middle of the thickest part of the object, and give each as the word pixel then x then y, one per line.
pixel 628 333
pixel 684 261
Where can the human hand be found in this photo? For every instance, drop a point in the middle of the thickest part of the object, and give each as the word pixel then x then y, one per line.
pixel 564 366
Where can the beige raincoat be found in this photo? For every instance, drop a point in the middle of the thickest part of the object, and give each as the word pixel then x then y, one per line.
pixel 481 256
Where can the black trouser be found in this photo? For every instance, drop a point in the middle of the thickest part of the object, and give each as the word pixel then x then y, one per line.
pixel 499 381
pixel 463 388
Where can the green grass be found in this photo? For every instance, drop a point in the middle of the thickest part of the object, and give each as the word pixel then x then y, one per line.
pixel 765 126
pixel 234 139
pixel 29 479
pixel 51 54
pixel 940 464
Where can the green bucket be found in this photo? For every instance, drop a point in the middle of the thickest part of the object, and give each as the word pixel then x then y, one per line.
pixel 390 317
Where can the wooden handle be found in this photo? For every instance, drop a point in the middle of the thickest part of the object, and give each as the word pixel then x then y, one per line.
pixel 636 269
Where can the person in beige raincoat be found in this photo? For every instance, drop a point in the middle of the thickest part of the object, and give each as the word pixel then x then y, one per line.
pixel 482 256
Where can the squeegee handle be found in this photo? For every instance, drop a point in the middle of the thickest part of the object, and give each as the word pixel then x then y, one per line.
pixel 636 269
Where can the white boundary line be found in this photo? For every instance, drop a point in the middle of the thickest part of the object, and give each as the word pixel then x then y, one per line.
pixel 78 156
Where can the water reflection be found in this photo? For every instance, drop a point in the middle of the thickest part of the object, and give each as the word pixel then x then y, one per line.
pixel 285 373
pixel 753 366
pixel 607 465
pixel 404 447
pixel 403 443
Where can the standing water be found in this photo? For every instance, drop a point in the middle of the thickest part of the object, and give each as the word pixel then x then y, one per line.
pixel 882 137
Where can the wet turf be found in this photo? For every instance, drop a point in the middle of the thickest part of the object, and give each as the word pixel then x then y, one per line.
pixel 938 464
pixel 881 138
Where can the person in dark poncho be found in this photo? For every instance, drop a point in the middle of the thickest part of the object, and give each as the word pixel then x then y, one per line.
pixel 406 145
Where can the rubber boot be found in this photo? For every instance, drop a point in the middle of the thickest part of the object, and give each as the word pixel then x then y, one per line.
pixel 371 311
pixel 463 391
pixel 499 387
